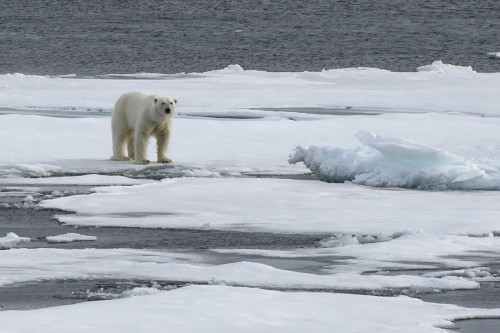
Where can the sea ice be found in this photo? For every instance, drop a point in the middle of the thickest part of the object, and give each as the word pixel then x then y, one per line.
pixel 50 264
pixel 373 228
pixel 230 309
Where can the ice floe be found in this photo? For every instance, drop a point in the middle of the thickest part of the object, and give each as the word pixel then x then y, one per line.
pixel 69 237
pixel 230 309
pixel 52 264
pixel 281 205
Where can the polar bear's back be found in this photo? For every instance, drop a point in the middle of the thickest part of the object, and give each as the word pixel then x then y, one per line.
pixel 129 108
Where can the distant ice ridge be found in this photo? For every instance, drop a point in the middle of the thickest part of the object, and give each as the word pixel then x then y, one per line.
pixel 439 67
pixel 394 162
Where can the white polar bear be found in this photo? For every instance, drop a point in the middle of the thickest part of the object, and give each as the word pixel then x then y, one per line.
pixel 136 117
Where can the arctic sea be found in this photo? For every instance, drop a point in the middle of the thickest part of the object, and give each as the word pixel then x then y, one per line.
pixel 102 37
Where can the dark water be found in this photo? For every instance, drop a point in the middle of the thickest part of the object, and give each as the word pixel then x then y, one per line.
pixel 90 37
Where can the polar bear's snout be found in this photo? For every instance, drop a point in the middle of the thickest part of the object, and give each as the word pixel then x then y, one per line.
pixel 165 105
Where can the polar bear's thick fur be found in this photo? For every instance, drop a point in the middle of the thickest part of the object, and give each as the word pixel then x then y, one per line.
pixel 136 117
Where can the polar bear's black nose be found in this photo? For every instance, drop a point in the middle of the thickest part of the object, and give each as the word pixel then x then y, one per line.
pixel 167 111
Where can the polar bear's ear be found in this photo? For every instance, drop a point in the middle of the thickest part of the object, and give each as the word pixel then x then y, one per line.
pixel 175 101
pixel 155 100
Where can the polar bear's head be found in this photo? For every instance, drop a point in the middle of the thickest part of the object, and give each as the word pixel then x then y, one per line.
pixel 164 106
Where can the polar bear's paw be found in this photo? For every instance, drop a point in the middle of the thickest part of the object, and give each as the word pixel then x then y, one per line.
pixel 143 161
pixel 120 158
pixel 165 160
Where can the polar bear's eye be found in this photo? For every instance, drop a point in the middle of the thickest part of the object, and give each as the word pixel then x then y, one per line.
pixel 163 103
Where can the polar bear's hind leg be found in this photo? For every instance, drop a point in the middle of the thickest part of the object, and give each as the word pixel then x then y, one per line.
pixel 119 143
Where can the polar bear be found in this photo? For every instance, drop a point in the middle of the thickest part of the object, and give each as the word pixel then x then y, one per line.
pixel 136 117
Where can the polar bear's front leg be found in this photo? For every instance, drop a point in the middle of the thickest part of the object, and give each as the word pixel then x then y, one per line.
pixel 162 141
pixel 141 143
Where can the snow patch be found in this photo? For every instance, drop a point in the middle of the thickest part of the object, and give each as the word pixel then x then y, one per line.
pixel 394 162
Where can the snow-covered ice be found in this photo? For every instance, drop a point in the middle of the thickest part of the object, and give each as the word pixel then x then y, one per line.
pixel 134 264
pixel 435 129
pixel 281 205
pixel 229 309
pixel 69 237
pixel 443 253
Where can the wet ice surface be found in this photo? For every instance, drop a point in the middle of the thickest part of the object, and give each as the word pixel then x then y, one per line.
pixel 28 221
pixel 36 295
pixel 37 224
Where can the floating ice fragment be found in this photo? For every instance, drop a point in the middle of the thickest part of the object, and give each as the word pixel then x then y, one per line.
pixel 11 240
pixel 140 291
pixel 70 237
pixel 477 272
